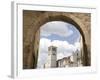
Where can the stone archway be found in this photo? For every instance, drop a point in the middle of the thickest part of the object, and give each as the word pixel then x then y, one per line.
pixel 33 20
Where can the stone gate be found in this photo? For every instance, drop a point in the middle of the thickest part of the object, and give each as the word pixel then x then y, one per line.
pixel 33 20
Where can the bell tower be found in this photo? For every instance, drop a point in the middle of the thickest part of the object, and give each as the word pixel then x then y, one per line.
pixel 52 57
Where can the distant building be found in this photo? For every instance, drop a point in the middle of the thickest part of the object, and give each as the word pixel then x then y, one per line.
pixel 76 59
pixel 52 57
pixel 71 61
pixel 64 62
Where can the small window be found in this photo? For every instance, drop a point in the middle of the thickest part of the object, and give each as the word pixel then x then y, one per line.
pixel 53 53
pixel 53 49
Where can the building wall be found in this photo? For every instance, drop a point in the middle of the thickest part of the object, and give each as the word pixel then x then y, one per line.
pixel 64 62
pixel 71 61
pixel 29 41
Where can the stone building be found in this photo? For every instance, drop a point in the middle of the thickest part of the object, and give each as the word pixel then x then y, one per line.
pixel 52 57
pixel 64 62
pixel 76 59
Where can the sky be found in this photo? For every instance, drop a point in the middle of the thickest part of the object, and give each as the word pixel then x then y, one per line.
pixel 60 34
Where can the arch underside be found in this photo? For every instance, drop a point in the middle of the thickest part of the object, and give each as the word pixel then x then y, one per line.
pixel 80 20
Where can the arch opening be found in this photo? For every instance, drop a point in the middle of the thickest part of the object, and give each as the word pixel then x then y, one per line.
pixel 66 41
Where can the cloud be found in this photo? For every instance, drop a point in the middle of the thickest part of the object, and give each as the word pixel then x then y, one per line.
pixel 64 49
pixel 77 45
pixel 56 27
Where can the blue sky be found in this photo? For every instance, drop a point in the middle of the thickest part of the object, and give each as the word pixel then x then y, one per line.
pixel 71 38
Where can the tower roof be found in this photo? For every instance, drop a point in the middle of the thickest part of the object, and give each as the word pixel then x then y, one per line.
pixel 52 46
